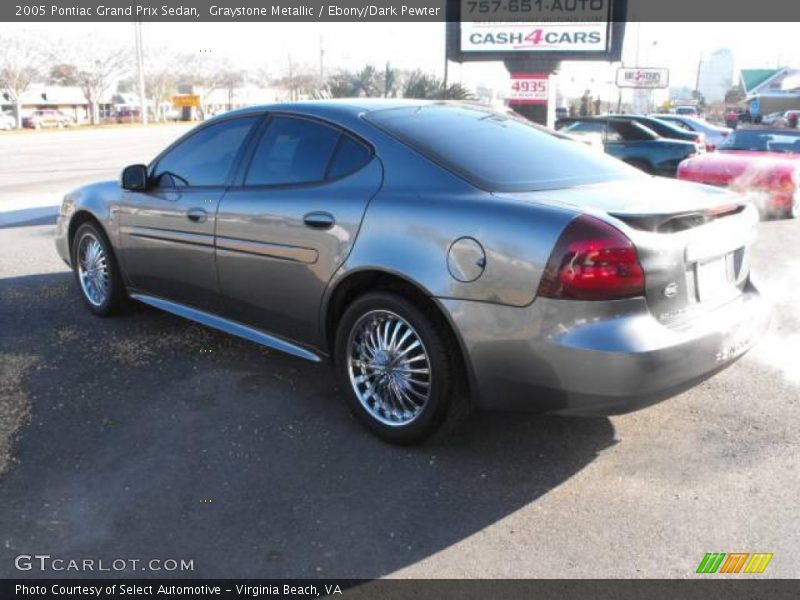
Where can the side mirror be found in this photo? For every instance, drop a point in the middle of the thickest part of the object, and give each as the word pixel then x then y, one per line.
pixel 134 178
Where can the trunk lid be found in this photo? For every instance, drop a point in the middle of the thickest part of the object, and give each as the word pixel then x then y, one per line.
pixel 693 241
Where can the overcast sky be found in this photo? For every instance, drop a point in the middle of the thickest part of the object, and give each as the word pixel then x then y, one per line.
pixel 252 46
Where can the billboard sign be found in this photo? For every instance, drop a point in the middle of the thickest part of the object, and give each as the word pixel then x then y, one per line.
pixel 529 88
pixel 556 29
pixel 185 100
pixel 642 78
pixel 517 38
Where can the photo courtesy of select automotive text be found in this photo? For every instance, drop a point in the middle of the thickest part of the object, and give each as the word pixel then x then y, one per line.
pixel 400 299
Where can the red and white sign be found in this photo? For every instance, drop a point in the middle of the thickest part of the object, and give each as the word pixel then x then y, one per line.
pixel 529 88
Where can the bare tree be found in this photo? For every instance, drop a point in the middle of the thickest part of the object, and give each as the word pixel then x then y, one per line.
pixel 94 69
pixel 230 80
pixel 205 74
pixel 298 80
pixel 160 77
pixel 22 60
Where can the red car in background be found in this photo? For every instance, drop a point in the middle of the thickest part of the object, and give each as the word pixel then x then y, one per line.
pixel 763 164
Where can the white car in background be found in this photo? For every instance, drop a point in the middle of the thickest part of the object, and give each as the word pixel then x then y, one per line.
pixel 7 121
pixel 714 134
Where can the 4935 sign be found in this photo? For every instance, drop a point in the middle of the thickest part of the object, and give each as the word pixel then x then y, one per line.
pixel 529 88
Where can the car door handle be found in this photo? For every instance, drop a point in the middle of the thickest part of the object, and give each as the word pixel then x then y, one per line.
pixel 319 220
pixel 198 215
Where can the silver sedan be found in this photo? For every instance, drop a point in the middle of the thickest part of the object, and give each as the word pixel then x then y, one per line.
pixel 441 256
pixel 714 135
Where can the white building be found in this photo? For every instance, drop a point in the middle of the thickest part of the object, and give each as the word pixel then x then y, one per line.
pixel 715 75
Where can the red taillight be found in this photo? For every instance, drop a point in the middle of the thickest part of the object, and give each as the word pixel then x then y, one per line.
pixel 592 261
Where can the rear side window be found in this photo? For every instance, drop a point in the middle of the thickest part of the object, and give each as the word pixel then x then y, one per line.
pixel 350 157
pixel 205 158
pixel 496 151
pixel 586 127
pixel 292 151
pixel 630 131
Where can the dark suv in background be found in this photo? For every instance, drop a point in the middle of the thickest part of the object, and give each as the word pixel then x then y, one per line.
pixel 638 145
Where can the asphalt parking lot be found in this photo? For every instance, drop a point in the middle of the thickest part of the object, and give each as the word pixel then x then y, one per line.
pixel 147 436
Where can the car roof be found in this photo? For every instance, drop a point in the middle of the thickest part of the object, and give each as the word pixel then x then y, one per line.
pixel 343 106
pixel 777 130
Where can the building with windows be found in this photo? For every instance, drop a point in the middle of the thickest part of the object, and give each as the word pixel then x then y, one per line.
pixel 66 99
pixel 771 90
pixel 715 75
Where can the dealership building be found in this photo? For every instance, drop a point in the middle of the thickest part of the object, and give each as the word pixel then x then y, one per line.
pixel 771 90
pixel 69 100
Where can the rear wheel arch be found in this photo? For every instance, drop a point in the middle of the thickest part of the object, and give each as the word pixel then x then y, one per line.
pixel 361 282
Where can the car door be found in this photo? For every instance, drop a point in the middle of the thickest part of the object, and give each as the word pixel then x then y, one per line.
pixel 167 232
pixel 290 222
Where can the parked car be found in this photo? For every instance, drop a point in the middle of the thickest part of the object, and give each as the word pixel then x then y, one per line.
pixel 669 130
pixel 781 119
pixel 634 143
pixel 762 163
pixel 441 255
pixel 689 111
pixel 7 121
pixel 39 119
pixel 128 115
pixel 713 134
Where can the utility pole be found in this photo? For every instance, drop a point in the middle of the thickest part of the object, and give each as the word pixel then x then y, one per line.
pixel 140 68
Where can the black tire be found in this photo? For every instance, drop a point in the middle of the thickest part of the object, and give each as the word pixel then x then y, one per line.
pixel 442 360
pixel 115 301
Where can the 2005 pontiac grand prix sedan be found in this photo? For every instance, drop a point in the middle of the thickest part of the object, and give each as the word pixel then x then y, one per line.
pixel 442 256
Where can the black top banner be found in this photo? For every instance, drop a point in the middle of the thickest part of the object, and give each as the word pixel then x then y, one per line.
pixel 400 10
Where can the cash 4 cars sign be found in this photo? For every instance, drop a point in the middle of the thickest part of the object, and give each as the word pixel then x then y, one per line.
pixel 646 78
pixel 529 88
pixel 519 27
pixel 534 37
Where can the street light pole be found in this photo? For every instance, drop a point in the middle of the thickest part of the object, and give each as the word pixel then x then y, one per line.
pixel 140 68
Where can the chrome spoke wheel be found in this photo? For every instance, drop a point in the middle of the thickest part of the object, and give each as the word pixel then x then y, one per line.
pixel 389 368
pixel 93 269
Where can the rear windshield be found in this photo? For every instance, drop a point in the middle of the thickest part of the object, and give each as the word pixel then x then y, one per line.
pixel 762 140
pixel 496 151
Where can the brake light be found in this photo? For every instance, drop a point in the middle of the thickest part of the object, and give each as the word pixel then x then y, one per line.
pixel 592 261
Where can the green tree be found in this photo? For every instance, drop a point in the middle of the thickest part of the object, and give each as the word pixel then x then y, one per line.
pixel 422 86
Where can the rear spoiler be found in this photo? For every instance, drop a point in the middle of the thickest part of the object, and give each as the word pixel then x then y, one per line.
pixel 674 222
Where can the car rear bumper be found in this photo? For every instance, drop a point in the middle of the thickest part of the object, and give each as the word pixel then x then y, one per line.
pixel 596 358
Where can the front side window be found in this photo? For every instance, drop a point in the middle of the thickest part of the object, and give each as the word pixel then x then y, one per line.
pixel 206 157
